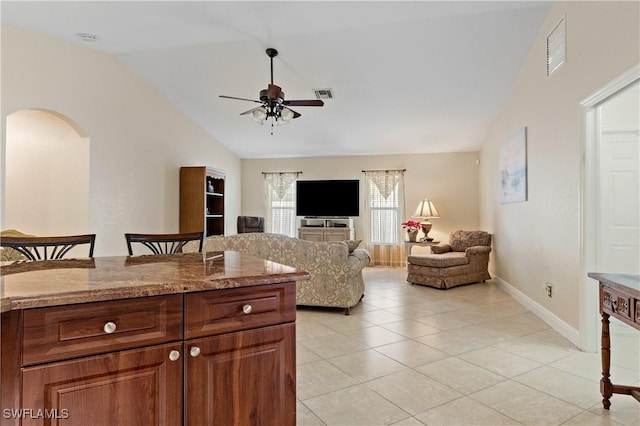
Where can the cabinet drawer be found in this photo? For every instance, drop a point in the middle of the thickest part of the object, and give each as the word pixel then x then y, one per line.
pixel 69 331
pixel 615 302
pixel 221 311
pixel 637 317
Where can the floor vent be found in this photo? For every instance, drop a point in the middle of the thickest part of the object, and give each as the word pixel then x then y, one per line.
pixel 557 47
pixel 323 93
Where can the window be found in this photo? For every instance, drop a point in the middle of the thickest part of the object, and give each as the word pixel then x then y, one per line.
pixel 384 204
pixel 280 197
pixel 384 214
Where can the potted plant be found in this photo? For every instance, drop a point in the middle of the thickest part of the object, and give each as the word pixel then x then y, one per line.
pixel 412 227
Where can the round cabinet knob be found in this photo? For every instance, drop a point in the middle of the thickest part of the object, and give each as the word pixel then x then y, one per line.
pixel 247 309
pixel 174 355
pixel 109 327
pixel 195 351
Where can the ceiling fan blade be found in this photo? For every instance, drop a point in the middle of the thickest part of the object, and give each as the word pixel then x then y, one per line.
pixel 273 91
pixel 309 102
pixel 240 99
pixel 250 111
pixel 295 114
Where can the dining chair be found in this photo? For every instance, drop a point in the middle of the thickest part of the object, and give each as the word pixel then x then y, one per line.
pixel 47 248
pixel 164 243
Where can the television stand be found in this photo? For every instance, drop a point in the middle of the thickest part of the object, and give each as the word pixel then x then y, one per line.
pixel 326 229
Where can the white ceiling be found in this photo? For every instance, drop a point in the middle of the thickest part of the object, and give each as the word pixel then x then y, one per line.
pixel 408 77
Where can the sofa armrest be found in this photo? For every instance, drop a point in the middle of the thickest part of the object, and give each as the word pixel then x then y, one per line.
pixel 357 260
pixel 441 248
pixel 477 250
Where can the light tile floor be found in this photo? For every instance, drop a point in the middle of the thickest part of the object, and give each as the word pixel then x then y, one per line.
pixel 472 355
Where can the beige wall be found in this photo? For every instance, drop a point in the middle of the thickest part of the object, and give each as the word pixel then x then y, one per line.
pixel 450 180
pixel 539 240
pixel 138 140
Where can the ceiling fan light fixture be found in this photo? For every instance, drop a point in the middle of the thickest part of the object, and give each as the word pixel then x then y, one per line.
pixel 286 114
pixel 259 114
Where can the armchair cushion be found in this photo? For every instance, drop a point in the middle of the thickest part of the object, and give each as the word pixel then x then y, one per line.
pixel 461 240
pixel 439 261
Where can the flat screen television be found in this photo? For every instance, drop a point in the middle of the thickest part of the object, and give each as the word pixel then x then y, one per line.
pixel 328 198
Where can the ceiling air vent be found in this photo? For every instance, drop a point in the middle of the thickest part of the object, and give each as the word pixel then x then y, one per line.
pixel 557 47
pixel 323 93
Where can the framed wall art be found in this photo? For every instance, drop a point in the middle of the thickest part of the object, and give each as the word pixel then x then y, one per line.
pixel 513 168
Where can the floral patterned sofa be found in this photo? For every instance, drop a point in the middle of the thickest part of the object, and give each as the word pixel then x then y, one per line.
pixel 335 268
pixel 465 260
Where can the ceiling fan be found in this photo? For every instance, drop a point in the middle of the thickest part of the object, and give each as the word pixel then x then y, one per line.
pixel 273 105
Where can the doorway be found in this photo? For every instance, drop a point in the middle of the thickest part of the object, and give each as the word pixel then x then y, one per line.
pixel 611 201
pixel 46 174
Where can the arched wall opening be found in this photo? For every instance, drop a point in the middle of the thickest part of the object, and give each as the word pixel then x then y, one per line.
pixel 46 174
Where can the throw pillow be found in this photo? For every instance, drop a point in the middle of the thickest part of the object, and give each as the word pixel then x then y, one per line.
pixel 352 244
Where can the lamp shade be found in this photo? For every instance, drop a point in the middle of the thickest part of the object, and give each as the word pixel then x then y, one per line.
pixel 426 209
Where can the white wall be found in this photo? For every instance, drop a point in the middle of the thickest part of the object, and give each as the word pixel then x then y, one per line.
pixel 138 140
pixel 47 175
pixel 539 240
pixel 450 180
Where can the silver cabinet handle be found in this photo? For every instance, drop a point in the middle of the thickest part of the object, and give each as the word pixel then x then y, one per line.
pixel 195 351
pixel 174 355
pixel 109 327
pixel 247 309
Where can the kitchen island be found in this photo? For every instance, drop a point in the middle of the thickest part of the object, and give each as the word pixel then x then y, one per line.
pixel 166 340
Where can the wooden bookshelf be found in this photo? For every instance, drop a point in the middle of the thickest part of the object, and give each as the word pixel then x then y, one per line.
pixel 202 200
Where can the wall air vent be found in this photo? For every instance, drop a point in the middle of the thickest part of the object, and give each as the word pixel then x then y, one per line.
pixel 557 47
pixel 323 93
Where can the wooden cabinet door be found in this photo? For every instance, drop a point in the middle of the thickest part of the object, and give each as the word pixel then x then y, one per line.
pixel 244 378
pixel 332 235
pixel 134 387
pixel 311 235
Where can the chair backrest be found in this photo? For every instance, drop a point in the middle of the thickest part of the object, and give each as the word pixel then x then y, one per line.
pixel 164 243
pixel 460 240
pixel 47 248
pixel 248 224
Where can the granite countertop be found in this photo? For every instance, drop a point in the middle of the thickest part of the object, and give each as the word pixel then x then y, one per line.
pixel 26 285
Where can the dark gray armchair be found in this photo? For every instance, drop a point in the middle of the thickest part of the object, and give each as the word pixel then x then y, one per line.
pixel 248 224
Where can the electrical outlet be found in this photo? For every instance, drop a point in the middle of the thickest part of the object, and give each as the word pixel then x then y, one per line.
pixel 548 288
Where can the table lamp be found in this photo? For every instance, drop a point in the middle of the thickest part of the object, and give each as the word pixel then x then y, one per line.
pixel 426 210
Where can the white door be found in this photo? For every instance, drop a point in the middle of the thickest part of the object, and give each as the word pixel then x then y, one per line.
pixel 618 218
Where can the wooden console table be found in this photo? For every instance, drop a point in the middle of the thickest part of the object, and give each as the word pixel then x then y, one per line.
pixel 620 298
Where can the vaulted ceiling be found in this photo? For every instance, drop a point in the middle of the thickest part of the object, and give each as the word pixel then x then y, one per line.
pixel 407 77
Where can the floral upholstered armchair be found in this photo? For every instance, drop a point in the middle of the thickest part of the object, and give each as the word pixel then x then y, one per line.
pixel 464 260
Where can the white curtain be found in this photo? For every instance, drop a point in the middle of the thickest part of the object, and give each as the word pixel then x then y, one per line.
pixel 280 202
pixel 384 214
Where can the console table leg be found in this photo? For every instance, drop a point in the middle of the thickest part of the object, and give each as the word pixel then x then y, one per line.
pixel 606 388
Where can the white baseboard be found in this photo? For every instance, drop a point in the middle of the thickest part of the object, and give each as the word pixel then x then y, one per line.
pixel 546 315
